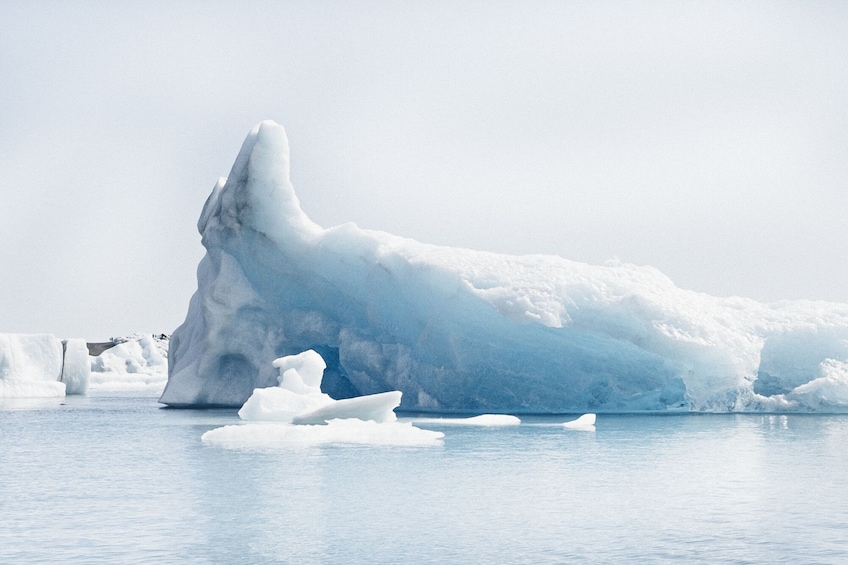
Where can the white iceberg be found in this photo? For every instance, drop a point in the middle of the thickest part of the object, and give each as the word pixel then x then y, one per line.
pixel 459 330
pixel 42 366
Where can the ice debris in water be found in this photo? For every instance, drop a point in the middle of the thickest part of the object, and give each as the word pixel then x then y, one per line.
pixel 458 330
pixel 483 420
pixel 585 422
pixel 296 412
pixel 351 431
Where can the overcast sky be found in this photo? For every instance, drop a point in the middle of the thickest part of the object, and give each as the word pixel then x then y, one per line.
pixel 709 140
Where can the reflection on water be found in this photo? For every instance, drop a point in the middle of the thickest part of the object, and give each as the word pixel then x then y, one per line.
pixel 120 480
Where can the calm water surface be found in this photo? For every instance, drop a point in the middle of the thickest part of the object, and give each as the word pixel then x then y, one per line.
pixel 119 480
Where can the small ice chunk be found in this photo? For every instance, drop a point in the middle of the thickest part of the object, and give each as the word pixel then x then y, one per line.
pixel 298 398
pixel 493 420
pixel 301 373
pixel 299 391
pixel 586 422
pixel 486 420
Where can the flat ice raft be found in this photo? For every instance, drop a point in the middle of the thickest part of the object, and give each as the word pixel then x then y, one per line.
pixel 297 413
pixel 460 330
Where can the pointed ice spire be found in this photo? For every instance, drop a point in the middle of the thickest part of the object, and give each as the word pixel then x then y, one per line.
pixel 258 193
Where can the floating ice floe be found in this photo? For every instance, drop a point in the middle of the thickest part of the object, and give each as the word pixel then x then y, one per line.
pixel 297 413
pixel 44 366
pixel 351 431
pixel 483 420
pixel 585 422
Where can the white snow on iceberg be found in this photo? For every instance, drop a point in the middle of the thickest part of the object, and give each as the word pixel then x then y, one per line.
pixel 458 330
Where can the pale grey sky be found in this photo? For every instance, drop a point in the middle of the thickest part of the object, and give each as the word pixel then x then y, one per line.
pixel 709 140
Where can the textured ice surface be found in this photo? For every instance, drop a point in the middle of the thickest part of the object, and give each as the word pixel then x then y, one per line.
pixel 137 363
pixel 30 366
pixel 460 330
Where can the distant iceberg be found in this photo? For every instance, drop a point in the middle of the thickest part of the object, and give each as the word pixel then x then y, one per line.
pixel 466 331
pixel 42 366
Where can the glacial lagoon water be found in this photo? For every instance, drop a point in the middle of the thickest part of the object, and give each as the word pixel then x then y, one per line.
pixel 120 480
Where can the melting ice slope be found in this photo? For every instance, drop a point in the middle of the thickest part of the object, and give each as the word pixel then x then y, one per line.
pixel 461 330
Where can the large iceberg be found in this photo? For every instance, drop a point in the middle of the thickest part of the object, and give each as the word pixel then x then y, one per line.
pixel 458 330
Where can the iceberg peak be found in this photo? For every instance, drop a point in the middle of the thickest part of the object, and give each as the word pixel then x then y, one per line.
pixel 258 193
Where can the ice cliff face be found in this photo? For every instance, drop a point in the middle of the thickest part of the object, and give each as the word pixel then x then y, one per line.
pixel 460 330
